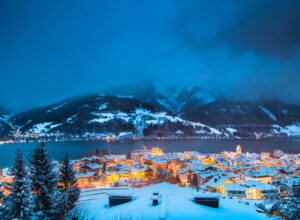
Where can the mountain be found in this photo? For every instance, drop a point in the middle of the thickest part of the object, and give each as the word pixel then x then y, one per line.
pixel 247 118
pixel 171 99
pixel 4 126
pixel 99 115
pixel 3 111
pixel 143 110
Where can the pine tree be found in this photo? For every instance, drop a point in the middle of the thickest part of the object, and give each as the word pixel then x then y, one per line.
pixel 1 193
pixel 195 182
pixel 43 182
pixel 18 204
pixel 104 168
pixel 104 152
pixel 97 152
pixel 1 198
pixel 287 206
pixel 1 185
pixel 70 191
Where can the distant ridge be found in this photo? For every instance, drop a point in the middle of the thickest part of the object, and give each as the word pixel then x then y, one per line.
pixel 145 111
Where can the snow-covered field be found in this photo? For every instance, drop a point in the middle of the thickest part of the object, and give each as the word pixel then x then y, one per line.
pixel 176 203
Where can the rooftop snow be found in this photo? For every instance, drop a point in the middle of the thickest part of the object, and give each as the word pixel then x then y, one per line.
pixel 216 181
pixel 176 203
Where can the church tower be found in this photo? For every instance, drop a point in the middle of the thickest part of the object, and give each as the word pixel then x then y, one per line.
pixel 238 149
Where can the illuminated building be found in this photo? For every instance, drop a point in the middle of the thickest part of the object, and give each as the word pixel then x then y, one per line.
pixel 156 151
pixel 238 149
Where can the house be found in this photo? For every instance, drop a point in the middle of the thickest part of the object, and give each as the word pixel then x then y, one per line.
pixel 186 176
pixel 149 173
pixel 115 158
pixel 76 164
pixel 263 177
pixel 208 160
pixel 92 159
pixel 92 167
pixel 159 163
pixel 259 190
pixel 138 154
pixel 157 151
pixel 237 190
pixel 130 162
pixel 249 189
pixel 215 184
pixel 272 162
pixel 287 170
pixel 5 178
pixel 85 179
pixel 222 165
pixel 132 182
pixel 112 177
pixel 290 185
pixel 205 176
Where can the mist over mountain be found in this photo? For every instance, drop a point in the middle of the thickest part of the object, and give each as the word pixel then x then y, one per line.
pixel 241 50
pixel 3 111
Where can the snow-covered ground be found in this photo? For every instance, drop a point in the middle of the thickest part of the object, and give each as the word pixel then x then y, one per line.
pixel 292 130
pixel 43 127
pixel 176 203
pixel 154 118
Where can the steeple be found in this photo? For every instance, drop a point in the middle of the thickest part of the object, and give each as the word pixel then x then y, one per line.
pixel 238 149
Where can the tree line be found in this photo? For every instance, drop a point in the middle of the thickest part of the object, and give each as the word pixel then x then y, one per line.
pixel 39 191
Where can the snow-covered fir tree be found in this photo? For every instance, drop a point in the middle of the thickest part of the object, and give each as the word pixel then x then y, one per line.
pixel 104 168
pixel 18 204
pixel 283 206
pixel 1 199
pixel 70 191
pixel 195 182
pixel 1 193
pixel 43 182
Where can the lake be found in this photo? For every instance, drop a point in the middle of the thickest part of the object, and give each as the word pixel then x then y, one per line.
pixel 79 149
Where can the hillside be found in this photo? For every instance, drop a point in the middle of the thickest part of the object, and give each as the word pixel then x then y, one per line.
pixel 100 115
pixel 143 110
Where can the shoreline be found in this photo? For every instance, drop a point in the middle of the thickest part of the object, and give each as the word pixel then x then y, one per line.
pixel 2 142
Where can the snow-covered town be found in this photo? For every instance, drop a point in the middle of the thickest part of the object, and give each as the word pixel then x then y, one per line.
pixel 238 181
pixel 225 181
pixel 235 174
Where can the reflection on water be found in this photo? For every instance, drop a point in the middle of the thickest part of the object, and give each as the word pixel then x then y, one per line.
pixel 79 149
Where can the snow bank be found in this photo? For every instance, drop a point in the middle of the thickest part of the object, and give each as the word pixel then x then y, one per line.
pixel 291 130
pixel 176 204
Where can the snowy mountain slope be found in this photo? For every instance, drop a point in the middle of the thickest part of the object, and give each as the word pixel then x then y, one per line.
pixel 4 125
pixel 145 92
pixel 142 109
pixel 3 111
pixel 246 118
pixel 103 114
pixel 169 99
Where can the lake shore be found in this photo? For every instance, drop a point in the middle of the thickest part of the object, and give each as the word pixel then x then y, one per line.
pixel 81 148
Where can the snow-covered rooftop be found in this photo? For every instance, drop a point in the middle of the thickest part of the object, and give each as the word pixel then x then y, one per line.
pixel 176 204
pixel 216 181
